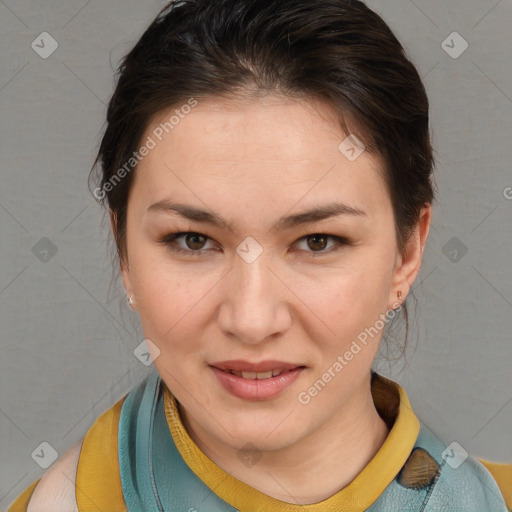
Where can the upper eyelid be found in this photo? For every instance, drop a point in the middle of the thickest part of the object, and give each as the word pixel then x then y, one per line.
pixel 181 235
pixel 177 234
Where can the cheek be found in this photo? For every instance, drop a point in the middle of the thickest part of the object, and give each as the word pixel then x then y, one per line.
pixel 170 303
pixel 349 304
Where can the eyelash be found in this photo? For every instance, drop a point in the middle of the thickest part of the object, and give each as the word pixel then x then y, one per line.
pixel 170 239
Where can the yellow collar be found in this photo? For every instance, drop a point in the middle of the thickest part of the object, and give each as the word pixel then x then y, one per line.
pixel 393 406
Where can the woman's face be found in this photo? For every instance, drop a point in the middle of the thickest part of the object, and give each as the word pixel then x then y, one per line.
pixel 293 261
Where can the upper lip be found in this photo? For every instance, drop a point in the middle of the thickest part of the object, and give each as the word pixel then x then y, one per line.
pixel 239 365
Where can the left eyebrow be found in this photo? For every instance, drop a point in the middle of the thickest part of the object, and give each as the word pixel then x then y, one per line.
pixel 290 221
pixel 316 214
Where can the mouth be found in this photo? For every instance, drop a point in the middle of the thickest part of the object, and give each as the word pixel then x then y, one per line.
pixel 256 381
pixel 261 370
pixel 260 375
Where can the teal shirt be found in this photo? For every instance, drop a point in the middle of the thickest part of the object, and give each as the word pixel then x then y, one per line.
pixel 154 476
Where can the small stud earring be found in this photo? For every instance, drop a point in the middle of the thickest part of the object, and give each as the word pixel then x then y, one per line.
pixel 399 294
pixel 130 299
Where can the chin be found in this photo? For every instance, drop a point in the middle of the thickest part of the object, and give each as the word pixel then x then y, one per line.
pixel 265 434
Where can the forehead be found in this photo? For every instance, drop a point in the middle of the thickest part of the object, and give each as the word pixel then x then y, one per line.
pixel 246 148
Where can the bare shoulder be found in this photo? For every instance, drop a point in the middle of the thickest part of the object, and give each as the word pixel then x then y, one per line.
pixel 55 492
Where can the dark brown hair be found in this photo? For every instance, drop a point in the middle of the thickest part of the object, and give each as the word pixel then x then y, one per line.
pixel 337 51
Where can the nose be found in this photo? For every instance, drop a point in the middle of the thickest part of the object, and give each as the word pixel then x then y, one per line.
pixel 254 302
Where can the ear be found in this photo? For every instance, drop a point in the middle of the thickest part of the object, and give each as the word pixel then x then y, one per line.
pixel 125 271
pixel 408 266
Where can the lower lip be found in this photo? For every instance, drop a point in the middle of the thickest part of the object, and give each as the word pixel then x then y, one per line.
pixel 256 389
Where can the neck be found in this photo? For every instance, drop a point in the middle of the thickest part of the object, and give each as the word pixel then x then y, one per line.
pixel 355 435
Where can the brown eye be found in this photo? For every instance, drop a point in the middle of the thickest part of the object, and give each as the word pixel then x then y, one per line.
pixel 188 243
pixel 195 241
pixel 321 244
pixel 317 242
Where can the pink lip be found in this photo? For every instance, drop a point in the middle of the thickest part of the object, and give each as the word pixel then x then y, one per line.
pixel 256 389
pixel 240 365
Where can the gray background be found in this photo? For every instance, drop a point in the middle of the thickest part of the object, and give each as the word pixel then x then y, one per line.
pixel 68 337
